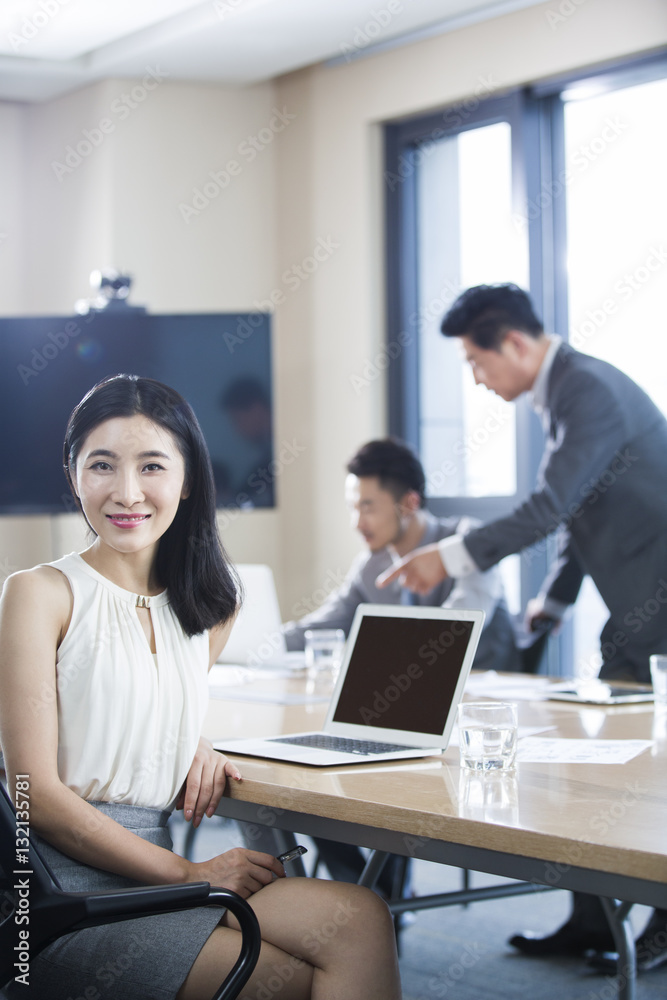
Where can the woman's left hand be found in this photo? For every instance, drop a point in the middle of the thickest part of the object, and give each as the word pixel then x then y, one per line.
pixel 205 782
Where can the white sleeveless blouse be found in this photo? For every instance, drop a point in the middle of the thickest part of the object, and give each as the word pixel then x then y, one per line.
pixel 128 721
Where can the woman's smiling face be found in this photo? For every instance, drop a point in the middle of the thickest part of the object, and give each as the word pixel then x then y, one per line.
pixel 130 479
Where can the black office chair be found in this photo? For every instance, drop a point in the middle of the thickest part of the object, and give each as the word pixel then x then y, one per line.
pixel 53 912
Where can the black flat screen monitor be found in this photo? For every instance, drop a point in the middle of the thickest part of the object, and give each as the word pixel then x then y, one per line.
pixel 221 363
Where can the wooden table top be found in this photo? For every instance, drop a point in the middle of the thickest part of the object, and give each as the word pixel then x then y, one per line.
pixel 605 817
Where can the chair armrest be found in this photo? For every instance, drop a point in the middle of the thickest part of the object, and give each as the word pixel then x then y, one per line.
pixel 250 944
pixel 123 904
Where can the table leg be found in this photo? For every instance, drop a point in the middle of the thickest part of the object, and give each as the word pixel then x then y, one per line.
pixel 372 868
pixel 618 915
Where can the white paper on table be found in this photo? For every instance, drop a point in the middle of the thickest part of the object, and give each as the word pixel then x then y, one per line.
pixel 515 688
pixel 225 693
pixel 541 750
pixel 229 682
pixel 232 674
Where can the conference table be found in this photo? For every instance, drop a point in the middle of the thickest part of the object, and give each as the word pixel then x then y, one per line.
pixel 595 827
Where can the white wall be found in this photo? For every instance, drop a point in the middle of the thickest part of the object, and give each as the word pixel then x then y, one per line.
pixel 119 206
pixel 317 186
pixel 12 234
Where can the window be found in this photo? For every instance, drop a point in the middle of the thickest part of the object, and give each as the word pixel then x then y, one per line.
pixel 539 187
pixel 465 233
pixel 616 211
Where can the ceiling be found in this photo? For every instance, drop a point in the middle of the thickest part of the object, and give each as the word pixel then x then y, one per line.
pixel 49 47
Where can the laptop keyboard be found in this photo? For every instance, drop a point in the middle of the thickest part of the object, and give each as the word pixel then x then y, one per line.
pixel 343 743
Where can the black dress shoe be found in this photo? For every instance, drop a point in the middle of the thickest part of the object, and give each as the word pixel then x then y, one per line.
pixel 570 939
pixel 650 948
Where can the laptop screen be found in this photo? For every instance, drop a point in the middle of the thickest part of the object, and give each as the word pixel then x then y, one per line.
pixel 403 673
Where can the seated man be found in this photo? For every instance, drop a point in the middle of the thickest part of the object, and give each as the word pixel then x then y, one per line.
pixel 385 493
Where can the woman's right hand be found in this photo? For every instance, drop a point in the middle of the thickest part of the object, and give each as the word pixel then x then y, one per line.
pixel 240 869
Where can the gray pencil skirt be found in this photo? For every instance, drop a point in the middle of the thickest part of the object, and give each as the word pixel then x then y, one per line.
pixel 146 958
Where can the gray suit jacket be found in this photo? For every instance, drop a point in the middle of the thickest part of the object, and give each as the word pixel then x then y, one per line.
pixel 496 649
pixel 602 484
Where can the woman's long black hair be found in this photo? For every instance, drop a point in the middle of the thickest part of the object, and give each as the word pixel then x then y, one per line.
pixel 191 563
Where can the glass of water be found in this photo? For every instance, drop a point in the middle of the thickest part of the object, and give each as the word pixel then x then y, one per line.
pixel 487 735
pixel 324 653
pixel 658 664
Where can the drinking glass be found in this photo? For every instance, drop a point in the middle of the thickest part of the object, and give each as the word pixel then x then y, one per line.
pixel 658 664
pixel 487 735
pixel 324 652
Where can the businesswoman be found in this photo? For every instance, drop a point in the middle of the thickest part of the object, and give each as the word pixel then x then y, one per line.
pixel 103 663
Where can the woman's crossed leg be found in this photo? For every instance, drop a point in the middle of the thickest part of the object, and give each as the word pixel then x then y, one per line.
pixel 320 939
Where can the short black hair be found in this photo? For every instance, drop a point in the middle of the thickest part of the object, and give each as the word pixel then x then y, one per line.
pixel 395 465
pixel 486 313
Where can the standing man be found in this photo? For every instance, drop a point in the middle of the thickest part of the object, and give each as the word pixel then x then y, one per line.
pixel 602 485
pixel 385 494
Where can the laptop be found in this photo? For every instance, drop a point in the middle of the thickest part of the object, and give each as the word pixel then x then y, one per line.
pixel 402 677
pixel 256 638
